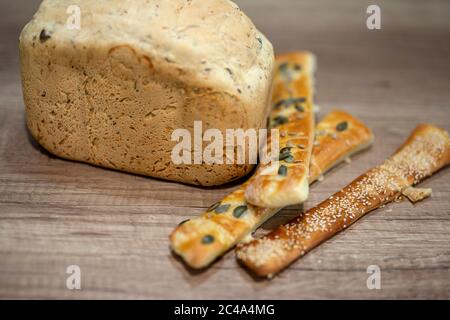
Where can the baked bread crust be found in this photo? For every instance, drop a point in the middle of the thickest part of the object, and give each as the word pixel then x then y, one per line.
pixel 112 92
pixel 338 136
pixel 232 220
pixel 417 194
pixel 285 182
pixel 426 151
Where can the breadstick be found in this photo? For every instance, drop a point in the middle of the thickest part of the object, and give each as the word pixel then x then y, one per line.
pixel 285 182
pixel 201 240
pixel 337 137
pixel 426 151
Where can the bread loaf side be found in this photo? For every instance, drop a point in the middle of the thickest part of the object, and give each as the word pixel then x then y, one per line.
pixel 112 92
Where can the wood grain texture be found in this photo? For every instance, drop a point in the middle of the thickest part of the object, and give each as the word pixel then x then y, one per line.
pixel 115 226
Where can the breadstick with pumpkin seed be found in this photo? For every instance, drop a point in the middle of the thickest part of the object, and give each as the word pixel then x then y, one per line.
pixel 201 240
pixel 337 137
pixel 285 182
pixel 426 151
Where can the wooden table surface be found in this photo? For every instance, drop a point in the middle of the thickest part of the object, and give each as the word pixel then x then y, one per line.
pixel 115 226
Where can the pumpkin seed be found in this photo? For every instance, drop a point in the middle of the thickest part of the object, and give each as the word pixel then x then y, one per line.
pixel 285 149
pixel 239 211
pixel 294 101
pixel 284 156
pixel 299 108
pixel 298 100
pixel 289 102
pixel 279 120
pixel 282 171
pixel 342 126
pixel 222 208
pixel 208 239
pixel 279 104
pixel 289 159
pixel 283 66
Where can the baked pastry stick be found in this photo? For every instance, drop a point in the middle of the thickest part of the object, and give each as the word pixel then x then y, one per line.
pixel 337 137
pixel 285 182
pixel 426 151
pixel 201 240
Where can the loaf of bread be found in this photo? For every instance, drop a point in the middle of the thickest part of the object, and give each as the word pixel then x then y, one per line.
pixel 112 91
pixel 426 151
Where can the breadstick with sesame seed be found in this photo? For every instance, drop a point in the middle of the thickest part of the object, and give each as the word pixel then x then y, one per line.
pixel 426 151
pixel 285 182
pixel 201 240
